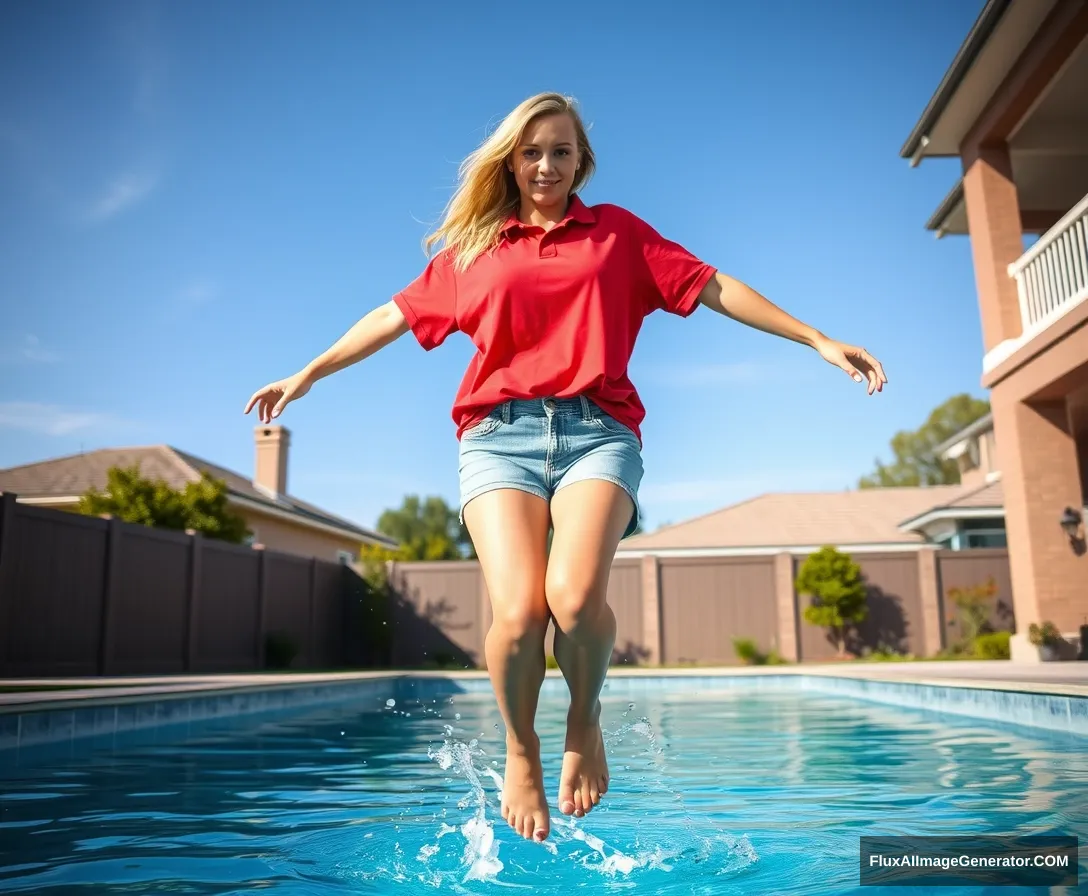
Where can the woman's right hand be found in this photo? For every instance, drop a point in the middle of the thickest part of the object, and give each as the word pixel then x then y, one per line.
pixel 273 398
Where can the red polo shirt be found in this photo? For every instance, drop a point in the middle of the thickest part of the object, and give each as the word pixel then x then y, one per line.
pixel 555 313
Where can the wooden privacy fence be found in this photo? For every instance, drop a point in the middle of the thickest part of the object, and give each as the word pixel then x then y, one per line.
pixel 84 596
pixel 81 595
pixel 677 610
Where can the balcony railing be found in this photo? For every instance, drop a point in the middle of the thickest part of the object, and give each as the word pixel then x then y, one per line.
pixel 1052 276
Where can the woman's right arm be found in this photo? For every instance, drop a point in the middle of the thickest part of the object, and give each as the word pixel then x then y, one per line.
pixel 376 330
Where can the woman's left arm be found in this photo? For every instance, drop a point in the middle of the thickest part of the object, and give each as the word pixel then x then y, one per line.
pixel 734 299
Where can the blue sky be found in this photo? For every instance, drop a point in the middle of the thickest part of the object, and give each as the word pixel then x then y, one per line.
pixel 197 198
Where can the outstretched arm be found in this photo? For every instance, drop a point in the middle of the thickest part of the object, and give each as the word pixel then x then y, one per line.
pixel 740 302
pixel 376 330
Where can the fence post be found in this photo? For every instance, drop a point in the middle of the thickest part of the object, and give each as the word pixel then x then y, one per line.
pixel 930 599
pixel 109 592
pixel 7 569
pixel 262 603
pixel 311 646
pixel 192 606
pixel 786 605
pixel 651 609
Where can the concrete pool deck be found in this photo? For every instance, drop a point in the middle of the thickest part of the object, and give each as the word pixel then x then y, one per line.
pixel 1063 678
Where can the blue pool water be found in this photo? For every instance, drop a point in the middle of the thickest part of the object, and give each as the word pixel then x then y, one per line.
pixel 727 792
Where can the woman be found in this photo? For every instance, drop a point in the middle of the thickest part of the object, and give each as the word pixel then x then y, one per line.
pixel 552 293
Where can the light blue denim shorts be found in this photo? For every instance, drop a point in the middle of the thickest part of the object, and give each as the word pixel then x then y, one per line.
pixel 541 445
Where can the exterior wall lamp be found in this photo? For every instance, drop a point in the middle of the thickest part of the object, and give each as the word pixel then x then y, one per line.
pixel 1071 522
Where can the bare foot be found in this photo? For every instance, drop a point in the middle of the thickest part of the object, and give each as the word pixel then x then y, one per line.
pixel 524 805
pixel 584 778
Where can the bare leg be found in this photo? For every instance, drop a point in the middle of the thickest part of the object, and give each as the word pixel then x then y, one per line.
pixel 509 530
pixel 589 519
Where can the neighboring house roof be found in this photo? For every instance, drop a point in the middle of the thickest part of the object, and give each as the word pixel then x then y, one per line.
pixel 69 477
pixel 863 517
pixel 986 500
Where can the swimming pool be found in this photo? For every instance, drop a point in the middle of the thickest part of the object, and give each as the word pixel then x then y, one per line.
pixel 739 789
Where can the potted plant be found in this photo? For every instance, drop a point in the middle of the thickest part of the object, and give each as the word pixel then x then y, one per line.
pixel 1047 638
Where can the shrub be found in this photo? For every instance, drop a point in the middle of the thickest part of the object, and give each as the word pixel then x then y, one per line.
pixel 992 646
pixel 974 604
pixel 748 652
pixel 550 662
pixel 1045 635
pixel 834 582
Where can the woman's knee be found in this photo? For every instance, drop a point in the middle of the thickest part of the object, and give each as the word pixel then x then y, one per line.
pixel 576 605
pixel 521 617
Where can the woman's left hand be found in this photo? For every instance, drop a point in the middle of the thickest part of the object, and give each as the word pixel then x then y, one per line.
pixel 858 363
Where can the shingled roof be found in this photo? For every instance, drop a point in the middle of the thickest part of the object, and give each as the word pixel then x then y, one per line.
pixel 870 517
pixel 70 477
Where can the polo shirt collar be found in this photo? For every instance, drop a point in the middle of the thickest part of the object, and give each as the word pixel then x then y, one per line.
pixel 576 211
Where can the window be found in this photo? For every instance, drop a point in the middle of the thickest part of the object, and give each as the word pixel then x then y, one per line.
pixel 345 558
pixel 985 539
pixel 250 539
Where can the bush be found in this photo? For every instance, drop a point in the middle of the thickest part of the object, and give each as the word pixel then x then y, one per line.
pixel 884 655
pixel 839 596
pixel 550 663
pixel 1045 635
pixel 748 652
pixel 280 650
pixel 993 646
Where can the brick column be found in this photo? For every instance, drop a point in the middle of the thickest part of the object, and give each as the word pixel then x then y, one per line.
pixel 651 610
pixel 1040 477
pixel 786 604
pixel 930 599
pixel 993 219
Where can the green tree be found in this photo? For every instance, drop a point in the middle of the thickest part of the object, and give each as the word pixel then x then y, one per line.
pixel 915 462
pixel 134 498
pixel 833 580
pixel 426 530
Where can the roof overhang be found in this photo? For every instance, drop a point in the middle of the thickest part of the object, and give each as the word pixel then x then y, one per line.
pixel 999 35
pixel 981 425
pixel 951 513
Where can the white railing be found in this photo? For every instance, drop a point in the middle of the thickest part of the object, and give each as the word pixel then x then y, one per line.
pixel 1052 276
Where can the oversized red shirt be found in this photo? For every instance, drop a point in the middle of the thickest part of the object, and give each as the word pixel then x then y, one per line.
pixel 555 313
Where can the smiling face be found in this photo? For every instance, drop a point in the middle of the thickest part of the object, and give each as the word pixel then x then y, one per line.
pixel 545 162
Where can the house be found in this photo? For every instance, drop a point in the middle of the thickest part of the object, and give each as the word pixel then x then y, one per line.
pixel 1011 108
pixel 276 519
pixel 974 516
pixel 956 517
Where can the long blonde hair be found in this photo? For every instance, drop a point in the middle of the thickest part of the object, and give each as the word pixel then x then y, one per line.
pixel 487 193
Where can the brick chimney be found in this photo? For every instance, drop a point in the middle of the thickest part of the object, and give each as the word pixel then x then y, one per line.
pixel 270 471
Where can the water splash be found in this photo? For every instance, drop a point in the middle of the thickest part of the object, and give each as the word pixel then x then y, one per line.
pixel 480 857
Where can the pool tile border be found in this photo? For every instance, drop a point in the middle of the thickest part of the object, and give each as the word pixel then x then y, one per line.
pixel 166 717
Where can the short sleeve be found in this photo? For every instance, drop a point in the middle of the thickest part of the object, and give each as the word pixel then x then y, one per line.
pixel 676 275
pixel 429 303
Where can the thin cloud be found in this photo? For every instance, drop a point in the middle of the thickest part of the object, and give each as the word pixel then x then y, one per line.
pixel 29 351
pixel 125 192
pixel 47 419
pixel 198 293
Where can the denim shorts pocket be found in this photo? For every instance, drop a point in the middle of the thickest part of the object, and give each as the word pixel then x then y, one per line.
pixel 484 427
pixel 609 424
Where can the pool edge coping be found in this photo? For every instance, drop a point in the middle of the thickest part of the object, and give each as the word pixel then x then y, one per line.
pixel 101 695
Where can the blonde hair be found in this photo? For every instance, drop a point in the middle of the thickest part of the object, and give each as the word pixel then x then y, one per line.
pixel 487 193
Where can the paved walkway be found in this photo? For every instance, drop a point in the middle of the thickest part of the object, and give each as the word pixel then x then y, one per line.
pixel 1069 678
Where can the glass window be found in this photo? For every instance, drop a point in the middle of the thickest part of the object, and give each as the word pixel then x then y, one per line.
pixel 992 539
